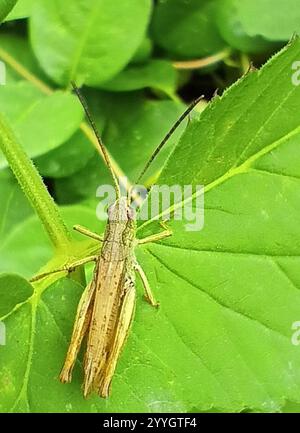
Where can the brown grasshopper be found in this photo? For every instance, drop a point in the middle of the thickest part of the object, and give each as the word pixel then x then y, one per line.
pixel 106 308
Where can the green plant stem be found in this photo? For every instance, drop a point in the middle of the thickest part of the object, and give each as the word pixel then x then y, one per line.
pixel 204 62
pixel 245 63
pixel 33 186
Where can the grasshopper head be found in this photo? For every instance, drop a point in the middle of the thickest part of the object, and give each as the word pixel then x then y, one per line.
pixel 120 211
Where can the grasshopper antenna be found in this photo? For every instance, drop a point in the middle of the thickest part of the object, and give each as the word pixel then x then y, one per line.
pixel 164 141
pixel 100 142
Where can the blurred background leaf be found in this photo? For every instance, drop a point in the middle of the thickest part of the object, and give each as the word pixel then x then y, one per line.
pixel 156 74
pixel 21 10
pixel 19 50
pixel 101 48
pixel 34 118
pixel 186 28
pixel 252 25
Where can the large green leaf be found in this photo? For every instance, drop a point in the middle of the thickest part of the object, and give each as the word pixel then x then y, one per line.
pixel 14 290
pixel 42 123
pixel 258 111
pixel 249 24
pixel 229 294
pixel 97 36
pixel 14 206
pixel 241 273
pixel 186 28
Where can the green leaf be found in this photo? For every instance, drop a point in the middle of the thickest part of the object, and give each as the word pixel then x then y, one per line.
pixel 41 325
pixel 144 51
pixel 14 206
pixel 14 290
pixel 186 28
pixel 42 123
pixel 5 7
pixel 97 36
pixel 21 10
pixel 156 74
pixel 238 280
pixel 250 24
pixel 257 111
pixel 67 159
pixel 19 49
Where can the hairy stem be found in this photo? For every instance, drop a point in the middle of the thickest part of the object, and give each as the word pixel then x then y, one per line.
pixel 202 63
pixel 33 186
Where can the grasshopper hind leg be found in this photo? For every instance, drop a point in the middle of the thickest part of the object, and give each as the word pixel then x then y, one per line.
pixel 125 320
pixel 99 372
pixel 82 322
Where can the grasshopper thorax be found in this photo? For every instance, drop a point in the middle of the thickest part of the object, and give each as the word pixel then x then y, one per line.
pixel 120 229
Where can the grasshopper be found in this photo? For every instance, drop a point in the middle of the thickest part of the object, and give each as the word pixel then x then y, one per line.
pixel 106 308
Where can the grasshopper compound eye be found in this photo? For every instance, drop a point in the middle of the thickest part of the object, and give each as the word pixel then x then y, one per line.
pixel 131 213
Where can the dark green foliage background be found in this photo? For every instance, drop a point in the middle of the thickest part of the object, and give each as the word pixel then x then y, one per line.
pixel 230 293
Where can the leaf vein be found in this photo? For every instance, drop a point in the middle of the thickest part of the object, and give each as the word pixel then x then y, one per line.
pixel 216 300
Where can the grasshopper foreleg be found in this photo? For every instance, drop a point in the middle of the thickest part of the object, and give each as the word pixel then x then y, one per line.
pixel 157 236
pixel 153 238
pixel 66 268
pixel 88 233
